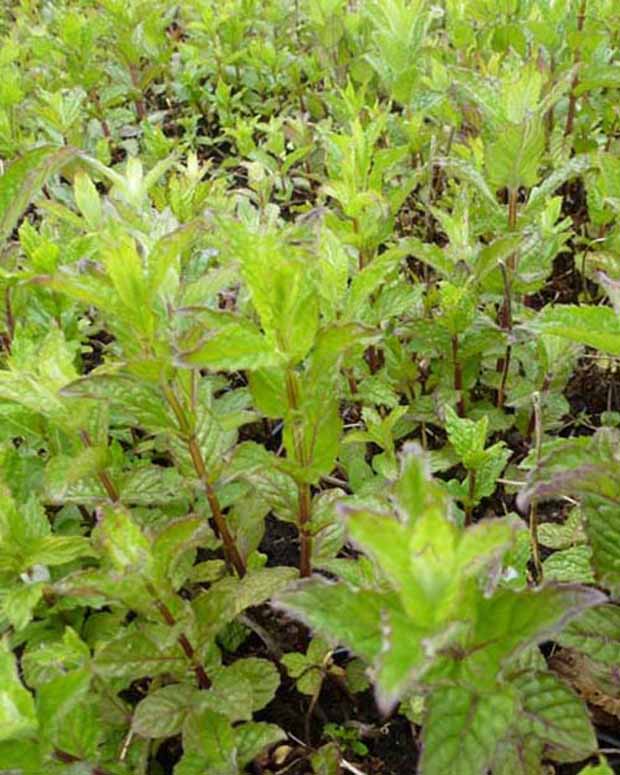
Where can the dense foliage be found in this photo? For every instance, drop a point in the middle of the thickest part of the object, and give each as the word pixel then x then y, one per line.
pixel 350 265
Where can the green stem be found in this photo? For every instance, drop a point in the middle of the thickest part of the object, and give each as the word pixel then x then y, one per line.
pixel 166 614
pixel 304 498
pixel 458 377
pixel 471 492
pixel 503 364
pixel 103 476
pixel 572 99
pixel 139 100
pixel 233 556
pixel 10 318
pixel 538 569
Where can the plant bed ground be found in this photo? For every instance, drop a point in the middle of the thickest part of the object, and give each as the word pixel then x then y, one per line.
pixel 309 387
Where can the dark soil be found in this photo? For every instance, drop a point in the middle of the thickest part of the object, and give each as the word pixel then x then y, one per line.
pixel 392 749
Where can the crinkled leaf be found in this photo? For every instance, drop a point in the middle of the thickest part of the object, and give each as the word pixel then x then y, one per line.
pixel 603 529
pixel 596 633
pixel 556 716
pixel 511 620
pixel 162 712
pixel 570 565
pixel 19 603
pixel 321 604
pixel 462 730
pixel 17 711
pixel 68 714
pixel 122 541
pixel 25 178
pixel 598 327
pixel 252 738
pixel 237 345
pixel 467 437
pixel 208 738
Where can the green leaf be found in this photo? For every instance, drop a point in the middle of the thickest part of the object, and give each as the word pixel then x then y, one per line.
pixel 570 565
pixel 573 168
pixel 122 542
pixel 511 620
pixel 251 739
pixel 468 437
pixel 489 469
pixel 295 663
pixel 357 676
pixel 563 536
pixel 125 268
pixel 468 172
pixel 62 471
pixel 17 712
pixel 307 668
pixel 174 541
pixel 556 716
pixel 227 696
pixel 458 307
pixel 603 529
pixel 389 543
pixel 407 653
pixel 431 254
pixel 164 259
pixel 68 715
pixel 139 652
pixel 209 745
pixel 56 550
pixel 135 401
pixel 261 675
pixel 370 278
pixel 282 290
pixel 87 199
pixel 326 761
pixel 19 603
pixel 598 76
pixel 162 712
pixel 597 327
pixel 226 599
pixel 44 661
pixel 23 756
pixel 416 492
pixel 321 604
pixel 513 159
pixel 25 178
pixel 26 538
pixel 519 754
pixel 462 730
pixel 268 388
pixel 239 344
pixel 602 768
pixel 596 633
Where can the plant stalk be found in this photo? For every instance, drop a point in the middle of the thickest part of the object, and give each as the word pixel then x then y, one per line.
pixel 471 491
pixel 458 376
pixel 139 100
pixel 10 319
pixel 103 476
pixel 503 364
pixel 166 614
pixel 572 99
pixel 531 427
pixel 233 556
pixel 538 569
pixel 304 497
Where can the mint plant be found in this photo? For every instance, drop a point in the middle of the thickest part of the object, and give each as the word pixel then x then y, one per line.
pixel 427 625
pixel 255 256
pixel 483 464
